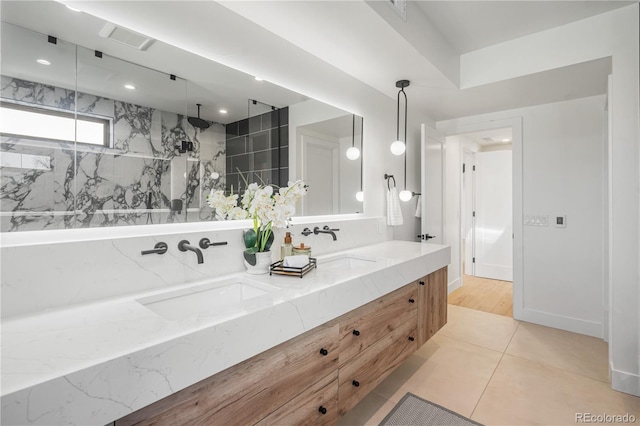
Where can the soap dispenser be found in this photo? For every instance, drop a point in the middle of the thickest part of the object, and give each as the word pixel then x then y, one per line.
pixel 287 247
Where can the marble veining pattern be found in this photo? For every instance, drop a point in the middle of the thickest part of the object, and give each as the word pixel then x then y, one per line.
pixel 126 184
pixel 118 356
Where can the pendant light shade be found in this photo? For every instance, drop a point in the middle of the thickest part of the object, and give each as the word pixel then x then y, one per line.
pixel 353 153
pixel 398 147
pixel 360 196
pixel 405 195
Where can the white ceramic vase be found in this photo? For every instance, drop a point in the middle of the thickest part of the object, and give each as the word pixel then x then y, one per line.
pixel 263 262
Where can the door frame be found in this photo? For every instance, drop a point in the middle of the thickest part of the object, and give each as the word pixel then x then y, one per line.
pixel 515 123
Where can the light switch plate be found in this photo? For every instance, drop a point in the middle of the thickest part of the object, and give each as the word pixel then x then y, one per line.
pixel 560 221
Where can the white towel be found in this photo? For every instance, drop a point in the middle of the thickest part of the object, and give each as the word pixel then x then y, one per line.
pixel 394 213
pixel 419 206
pixel 297 261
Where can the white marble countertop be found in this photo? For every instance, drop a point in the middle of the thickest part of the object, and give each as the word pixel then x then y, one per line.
pixel 95 363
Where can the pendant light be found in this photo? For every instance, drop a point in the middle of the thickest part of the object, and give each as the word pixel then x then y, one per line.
pixel 353 153
pixel 398 147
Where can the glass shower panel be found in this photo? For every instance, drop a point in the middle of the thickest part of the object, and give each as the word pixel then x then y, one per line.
pixel 206 166
pixel 138 175
pixel 37 130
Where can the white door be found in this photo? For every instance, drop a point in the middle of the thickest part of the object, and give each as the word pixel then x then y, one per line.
pixel 432 184
pixel 321 172
pixel 493 216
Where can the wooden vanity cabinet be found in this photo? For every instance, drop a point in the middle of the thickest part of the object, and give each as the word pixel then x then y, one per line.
pixel 318 376
pixel 363 373
pixel 364 326
pixel 432 309
pixel 248 392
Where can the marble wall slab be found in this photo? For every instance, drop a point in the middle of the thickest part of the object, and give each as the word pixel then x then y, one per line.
pixel 89 186
pixel 41 277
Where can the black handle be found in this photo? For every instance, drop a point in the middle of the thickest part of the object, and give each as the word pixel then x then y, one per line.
pixel 356 333
pixel 425 236
pixel 205 243
pixel 421 282
pixel 324 352
pixel 306 232
pixel 322 410
pixel 159 248
pixel 327 228
pixel 412 301
pixel 355 383
pixel 411 338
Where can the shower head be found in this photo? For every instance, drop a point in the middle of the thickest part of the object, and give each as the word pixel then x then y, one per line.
pixel 199 122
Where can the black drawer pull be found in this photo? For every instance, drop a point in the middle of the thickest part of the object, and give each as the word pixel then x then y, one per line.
pixel 355 383
pixel 323 351
pixel 356 333
pixel 322 410
pixel 421 282
pixel 411 338
pixel 412 301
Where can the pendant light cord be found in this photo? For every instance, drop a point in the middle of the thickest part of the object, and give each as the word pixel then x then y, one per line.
pixel 405 131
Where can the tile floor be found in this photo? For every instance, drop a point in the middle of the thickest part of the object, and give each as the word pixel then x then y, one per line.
pixel 499 371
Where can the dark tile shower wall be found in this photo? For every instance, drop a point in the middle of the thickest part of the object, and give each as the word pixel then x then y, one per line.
pixel 258 148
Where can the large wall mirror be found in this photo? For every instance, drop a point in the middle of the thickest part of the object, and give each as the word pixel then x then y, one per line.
pixel 90 139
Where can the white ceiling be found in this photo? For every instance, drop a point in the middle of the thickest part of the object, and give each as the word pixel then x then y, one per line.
pixel 491 137
pixel 211 84
pixel 472 25
pixel 357 37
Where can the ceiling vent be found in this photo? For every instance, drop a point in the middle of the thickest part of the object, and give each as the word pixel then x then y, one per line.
pixel 125 36
pixel 489 140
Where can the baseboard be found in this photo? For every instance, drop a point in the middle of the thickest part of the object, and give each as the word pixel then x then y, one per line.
pixel 454 285
pixel 625 382
pixel 589 328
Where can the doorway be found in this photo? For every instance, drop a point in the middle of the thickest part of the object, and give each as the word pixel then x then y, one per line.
pixel 486 219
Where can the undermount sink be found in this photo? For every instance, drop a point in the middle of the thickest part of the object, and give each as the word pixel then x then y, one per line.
pixel 212 300
pixel 345 261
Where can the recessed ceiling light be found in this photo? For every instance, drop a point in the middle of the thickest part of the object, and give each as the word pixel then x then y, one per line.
pixel 506 140
pixel 43 62
pixel 259 79
pixel 223 111
pixel 73 8
pixel 130 86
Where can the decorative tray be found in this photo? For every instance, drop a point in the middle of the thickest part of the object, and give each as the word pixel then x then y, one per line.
pixel 280 269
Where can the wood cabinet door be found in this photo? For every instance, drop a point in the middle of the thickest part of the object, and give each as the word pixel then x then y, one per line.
pixel 363 373
pixel 366 325
pixel 248 392
pixel 318 405
pixel 432 309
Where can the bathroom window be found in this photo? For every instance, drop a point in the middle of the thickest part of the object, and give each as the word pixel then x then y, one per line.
pixel 31 122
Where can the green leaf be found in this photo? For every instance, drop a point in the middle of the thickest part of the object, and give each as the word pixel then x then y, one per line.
pixel 250 257
pixel 250 238
pixel 267 246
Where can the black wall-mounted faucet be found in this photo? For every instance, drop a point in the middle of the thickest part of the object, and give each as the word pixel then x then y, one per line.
pixel 326 230
pixel 184 245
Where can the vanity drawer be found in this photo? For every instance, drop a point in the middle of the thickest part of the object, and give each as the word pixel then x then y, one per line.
pixel 318 405
pixel 362 374
pixel 368 324
pixel 251 390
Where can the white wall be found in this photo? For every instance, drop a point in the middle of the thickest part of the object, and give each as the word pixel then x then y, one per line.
pixel 615 35
pixel 562 173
